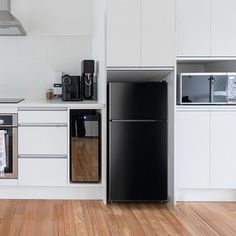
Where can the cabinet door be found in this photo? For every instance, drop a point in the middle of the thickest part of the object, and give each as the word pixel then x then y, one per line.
pixel 43 140
pixel 158 33
pixel 192 149
pixel 223 30
pixel 223 157
pixel 193 27
pixel 42 172
pixel 123 33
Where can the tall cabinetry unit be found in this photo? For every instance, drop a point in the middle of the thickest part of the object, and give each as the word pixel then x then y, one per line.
pixel 140 33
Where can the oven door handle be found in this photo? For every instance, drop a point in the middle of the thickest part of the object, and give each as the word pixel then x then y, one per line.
pixel 7 146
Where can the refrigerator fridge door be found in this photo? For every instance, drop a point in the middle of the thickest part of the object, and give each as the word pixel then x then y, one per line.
pixel 138 101
pixel 137 161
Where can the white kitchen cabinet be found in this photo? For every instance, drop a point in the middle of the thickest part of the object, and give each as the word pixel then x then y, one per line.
pixel 42 140
pixel 192 149
pixel 140 33
pixel 223 155
pixel 55 17
pixel 42 172
pixel 42 117
pixel 158 33
pixel 223 28
pixel 194 27
pixel 123 33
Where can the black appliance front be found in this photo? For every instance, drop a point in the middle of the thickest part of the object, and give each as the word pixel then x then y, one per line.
pixel 132 101
pixel 85 146
pixel 71 88
pixel 137 163
pixel 88 69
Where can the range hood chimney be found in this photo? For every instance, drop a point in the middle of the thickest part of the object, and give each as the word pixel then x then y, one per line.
pixel 9 25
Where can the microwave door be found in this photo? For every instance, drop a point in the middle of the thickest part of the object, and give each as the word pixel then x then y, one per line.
pixel 219 88
pixel 196 89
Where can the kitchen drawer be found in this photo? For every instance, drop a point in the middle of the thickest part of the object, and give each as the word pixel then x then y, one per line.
pixel 42 117
pixel 43 140
pixel 43 172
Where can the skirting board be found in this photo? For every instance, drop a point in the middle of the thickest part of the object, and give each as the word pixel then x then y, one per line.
pixel 205 195
pixel 78 193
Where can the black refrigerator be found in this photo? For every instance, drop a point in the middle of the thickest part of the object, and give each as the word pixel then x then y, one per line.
pixel 137 145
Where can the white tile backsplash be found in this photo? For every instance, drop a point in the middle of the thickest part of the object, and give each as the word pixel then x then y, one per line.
pixel 27 64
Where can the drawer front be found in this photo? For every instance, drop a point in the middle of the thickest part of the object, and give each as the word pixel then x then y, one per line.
pixel 43 140
pixel 42 172
pixel 42 117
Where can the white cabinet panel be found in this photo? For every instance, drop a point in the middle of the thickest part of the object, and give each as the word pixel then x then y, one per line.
pixel 123 33
pixel 40 117
pixel 158 33
pixel 55 17
pixel 192 149
pixel 223 28
pixel 42 140
pixel 42 172
pixel 193 27
pixel 223 155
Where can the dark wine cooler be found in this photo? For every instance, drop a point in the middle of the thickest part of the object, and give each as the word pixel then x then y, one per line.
pixel 85 146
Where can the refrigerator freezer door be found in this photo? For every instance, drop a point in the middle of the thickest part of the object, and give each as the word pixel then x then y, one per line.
pixel 138 101
pixel 138 161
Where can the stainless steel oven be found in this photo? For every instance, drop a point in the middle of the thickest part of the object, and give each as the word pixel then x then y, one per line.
pixel 8 123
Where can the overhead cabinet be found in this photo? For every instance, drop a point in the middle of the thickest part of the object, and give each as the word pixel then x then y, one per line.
pixel 205 28
pixel 193 27
pixel 223 32
pixel 140 33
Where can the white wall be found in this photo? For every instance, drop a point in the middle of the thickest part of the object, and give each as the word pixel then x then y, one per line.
pixel 60 35
pixel 27 63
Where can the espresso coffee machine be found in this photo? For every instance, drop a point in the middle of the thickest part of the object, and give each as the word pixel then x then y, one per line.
pixel 88 79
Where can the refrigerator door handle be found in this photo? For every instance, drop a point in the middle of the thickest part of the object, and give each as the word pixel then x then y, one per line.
pixel 138 120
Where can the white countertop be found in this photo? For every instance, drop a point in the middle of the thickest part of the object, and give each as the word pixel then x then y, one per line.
pixel 57 103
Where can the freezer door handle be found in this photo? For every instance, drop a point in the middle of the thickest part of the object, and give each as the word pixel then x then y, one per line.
pixel 138 121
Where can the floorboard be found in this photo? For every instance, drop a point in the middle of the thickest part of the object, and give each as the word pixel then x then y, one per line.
pixel 72 218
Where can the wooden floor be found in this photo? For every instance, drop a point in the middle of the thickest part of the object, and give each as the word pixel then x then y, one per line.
pixel 48 218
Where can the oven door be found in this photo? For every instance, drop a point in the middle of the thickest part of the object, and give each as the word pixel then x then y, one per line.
pixel 10 171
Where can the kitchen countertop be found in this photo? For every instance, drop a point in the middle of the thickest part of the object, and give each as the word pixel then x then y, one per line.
pixel 57 103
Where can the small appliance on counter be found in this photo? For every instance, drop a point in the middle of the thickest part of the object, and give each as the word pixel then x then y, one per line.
pixel 71 88
pixel 88 79
pixel 78 88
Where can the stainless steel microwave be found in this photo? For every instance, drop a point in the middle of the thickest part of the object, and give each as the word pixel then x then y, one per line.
pixel 207 88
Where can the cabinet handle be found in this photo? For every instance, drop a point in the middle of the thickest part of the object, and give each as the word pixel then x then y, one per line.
pixel 45 156
pixel 43 109
pixel 41 125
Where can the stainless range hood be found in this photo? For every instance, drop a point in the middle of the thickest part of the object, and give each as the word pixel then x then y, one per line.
pixel 9 25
